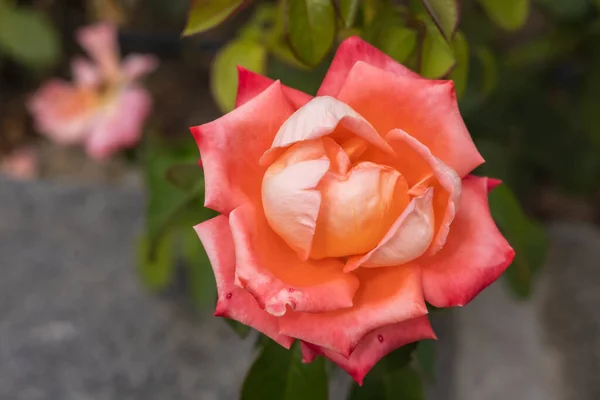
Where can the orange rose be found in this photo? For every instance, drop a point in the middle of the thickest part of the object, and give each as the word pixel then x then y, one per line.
pixel 343 213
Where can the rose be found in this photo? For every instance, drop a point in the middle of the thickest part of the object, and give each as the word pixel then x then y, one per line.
pixel 104 109
pixel 342 214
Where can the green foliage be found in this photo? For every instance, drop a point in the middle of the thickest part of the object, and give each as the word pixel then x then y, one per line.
pixel 206 14
pixel 508 14
pixel 184 176
pixel 425 355
pixel 460 73
pixel 389 33
pixel 155 268
pixel 240 329
pixel 391 379
pixel 445 14
pixel 169 206
pixel 224 75
pixel 200 280
pixel 278 373
pixel 567 10
pixel 437 56
pixel 348 10
pixel 526 237
pixel 311 26
pixel 28 36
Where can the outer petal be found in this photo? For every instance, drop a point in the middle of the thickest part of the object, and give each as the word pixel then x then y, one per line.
pixel 320 117
pixel 100 42
pixel 121 125
pixel 231 146
pixel 426 109
pixel 351 51
pixel 136 66
pixel 251 84
pixel 273 273
pixel 375 345
pixel 233 302
pixel 63 112
pixel 417 162
pixel 474 255
pixel 85 73
pixel 492 183
pixel 386 296
pixel 407 239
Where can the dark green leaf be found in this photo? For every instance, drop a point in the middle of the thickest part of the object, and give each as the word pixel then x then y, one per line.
pixel 425 355
pixel 279 374
pixel 200 279
pixel 311 28
pixel 242 330
pixel 460 73
pixel 508 14
pixel 206 14
pixel 28 36
pixel 437 57
pixel 184 176
pixel 490 69
pixel 263 22
pixel 224 75
pixel 588 114
pixel 526 237
pixel 568 10
pixel 155 267
pixel 388 33
pixel 168 206
pixel 306 80
pixel 348 10
pixel 445 14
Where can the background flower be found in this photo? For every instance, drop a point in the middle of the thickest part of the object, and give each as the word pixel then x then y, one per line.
pixel 104 108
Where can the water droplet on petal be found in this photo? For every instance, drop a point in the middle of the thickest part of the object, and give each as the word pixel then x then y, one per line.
pixel 380 338
pixel 229 295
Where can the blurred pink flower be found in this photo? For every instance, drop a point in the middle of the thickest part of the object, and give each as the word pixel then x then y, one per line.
pixel 104 108
pixel 21 164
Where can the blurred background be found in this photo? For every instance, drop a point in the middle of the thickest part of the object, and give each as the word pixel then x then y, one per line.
pixel 104 293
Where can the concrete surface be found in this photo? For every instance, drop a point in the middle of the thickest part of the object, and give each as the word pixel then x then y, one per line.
pixel 75 324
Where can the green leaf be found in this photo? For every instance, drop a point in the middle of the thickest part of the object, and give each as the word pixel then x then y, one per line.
pixel 399 42
pixel 425 355
pixel 240 329
pixel 262 24
pixel 388 33
pixel 508 14
pixel 200 280
pixel 28 37
pixel 460 73
pixel 568 10
pixel 206 14
pixel 184 176
pixel 311 28
pixel 437 57
pixel 224 76
pixel 155 266
pixel 490 69
pixel 279 374
pixel 167 205
pixel 444 14
pixel 526 237
pixel 348 10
